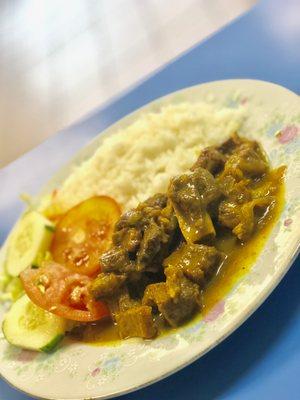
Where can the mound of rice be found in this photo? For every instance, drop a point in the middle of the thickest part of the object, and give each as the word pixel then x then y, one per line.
pixel 138 161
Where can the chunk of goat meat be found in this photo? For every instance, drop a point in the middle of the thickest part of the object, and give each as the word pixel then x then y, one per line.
pixel 241 217
pixel 136 322
pixel 197 261
pixel 190 195
pixel 210 159
pixel 106 285
pixel 177 299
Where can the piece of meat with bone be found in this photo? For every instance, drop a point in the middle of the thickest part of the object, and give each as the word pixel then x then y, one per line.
pixel 191 194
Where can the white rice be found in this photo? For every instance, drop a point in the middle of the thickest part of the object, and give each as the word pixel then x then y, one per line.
pixel 138 161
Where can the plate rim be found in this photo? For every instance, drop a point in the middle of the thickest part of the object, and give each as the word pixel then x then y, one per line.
pixel 249 309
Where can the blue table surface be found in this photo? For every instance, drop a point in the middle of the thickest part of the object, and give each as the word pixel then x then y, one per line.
pixel 261 360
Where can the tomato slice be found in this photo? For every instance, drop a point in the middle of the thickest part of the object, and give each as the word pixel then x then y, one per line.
pixel 84 233
pixel 54 288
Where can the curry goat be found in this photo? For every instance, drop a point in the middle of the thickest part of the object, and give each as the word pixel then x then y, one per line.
pixel 165 251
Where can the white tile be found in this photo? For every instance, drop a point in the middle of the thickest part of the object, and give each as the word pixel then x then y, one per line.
pixel 62 58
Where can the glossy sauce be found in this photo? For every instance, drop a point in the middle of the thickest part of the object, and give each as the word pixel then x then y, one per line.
pixel 240 258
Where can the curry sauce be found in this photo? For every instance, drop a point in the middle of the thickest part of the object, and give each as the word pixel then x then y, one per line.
pixel 240 256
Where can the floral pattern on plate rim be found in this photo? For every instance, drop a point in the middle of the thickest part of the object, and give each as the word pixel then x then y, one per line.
pixel 285 140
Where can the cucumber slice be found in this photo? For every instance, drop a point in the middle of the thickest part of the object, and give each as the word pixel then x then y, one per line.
pixel 30 327
pixel 28 242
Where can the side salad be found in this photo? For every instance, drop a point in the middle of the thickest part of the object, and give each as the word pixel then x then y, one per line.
pixel 50 261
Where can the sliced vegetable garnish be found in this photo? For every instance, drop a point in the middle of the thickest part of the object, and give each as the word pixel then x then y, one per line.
pixel 84 233
pixel 56 289
pixel 30 327
pixel 28 243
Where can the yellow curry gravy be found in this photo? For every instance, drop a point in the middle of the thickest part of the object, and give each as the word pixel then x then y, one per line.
pixel 240 258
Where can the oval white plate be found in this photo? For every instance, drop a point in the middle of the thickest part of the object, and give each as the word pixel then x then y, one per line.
pixel 273 118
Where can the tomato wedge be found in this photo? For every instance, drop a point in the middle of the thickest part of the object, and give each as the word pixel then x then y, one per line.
pixel 55 288
pixel 84 233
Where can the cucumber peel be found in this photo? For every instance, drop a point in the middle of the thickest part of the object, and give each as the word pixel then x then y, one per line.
pixel 51 346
